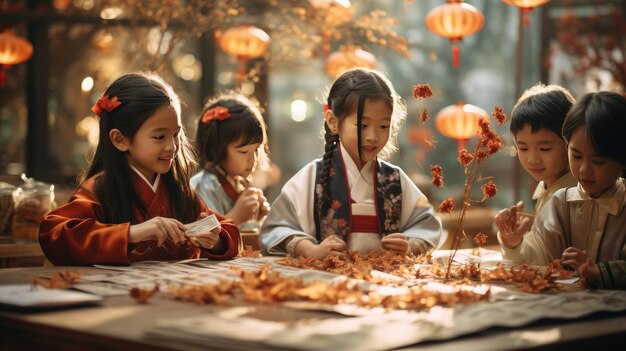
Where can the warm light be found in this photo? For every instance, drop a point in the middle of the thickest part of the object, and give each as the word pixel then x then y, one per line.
pixel 244 42
pixel 526 6
pixel 348 58
pixel 14 49
pixel 111 13
pixel 459 121
pixel 298 110
pixel 89 128
pixel 87 84
pixel 333 12
pixel 455 20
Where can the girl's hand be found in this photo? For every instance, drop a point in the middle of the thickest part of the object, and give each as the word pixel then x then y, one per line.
pixel 512 228
pixel 332 245
pixel 396 242
pixel 209 239
pixel 574 257
pixel 590 273
pixel 245 206
pixel 264 207
pixel 159 229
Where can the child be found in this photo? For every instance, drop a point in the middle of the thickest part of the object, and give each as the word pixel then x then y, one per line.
pixel 135 194
pixel 585 225
pixel 231 141
pixel 536 122
pixel 349 200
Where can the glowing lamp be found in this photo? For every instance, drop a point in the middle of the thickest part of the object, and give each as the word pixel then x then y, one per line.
pixel 244 42
pixel 455 20
pixel 526 6
pixel 459 121
pixel 13 50
pixel 348 58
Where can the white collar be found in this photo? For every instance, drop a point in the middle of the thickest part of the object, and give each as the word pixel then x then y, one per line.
pixel 353 172
pixel 154 186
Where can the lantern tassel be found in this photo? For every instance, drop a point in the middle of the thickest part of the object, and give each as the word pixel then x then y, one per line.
pixel 3 76
pixel 456 55
pixel 526 17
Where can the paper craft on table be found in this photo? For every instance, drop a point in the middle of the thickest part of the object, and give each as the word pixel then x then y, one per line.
pixel 29 297
pixel 202 226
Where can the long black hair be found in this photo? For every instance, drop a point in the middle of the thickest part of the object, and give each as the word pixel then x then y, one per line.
pixel 141 95
pixel 347 95
pixel 245 125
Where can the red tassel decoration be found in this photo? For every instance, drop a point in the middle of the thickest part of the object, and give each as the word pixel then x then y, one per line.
pixel 456 56
pixel 526 17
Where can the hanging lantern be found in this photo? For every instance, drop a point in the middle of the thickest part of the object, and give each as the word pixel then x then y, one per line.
pixel 13 50
pixel 333 14
pixel 459 121
pixel 455 20
pixel 347 58
pixel 244 42
pixel 526 6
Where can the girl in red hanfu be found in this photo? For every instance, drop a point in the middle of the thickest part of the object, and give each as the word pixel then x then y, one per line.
pixel 349 199
pixel 135 195
pixel 231 142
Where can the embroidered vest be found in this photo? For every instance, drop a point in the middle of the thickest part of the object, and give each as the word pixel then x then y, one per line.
pixel 388 199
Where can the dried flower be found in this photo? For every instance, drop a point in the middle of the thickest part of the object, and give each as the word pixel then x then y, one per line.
pixel 424 115
pixel 422 91
pixel 143 295
pixel 480 239
pixel 465 158
pixel 446 206
pixel 437 173
pixel 489 190
pixel 499 115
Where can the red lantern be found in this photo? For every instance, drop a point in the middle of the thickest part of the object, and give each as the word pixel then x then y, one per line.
pixel 526 6
pixel 455 20
pixel 348 58
pixel 459 121
pixel 13 50
pixel 244 42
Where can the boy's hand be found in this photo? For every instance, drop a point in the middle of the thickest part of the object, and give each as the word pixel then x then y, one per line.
pixel 574 257
pixel 159 229
pixel 590 273
pixel 332 245
pixel 511 226
pixel 396 242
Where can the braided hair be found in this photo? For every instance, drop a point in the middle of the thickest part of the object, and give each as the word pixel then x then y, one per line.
pixel 346 96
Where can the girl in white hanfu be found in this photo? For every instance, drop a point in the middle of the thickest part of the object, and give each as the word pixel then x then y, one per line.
pixel 585 225
pixel 349 199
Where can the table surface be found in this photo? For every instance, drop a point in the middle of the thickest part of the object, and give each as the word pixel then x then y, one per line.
pixel 120 323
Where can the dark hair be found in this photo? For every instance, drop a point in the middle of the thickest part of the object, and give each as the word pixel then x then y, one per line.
pixel 347 95
pixel 604 115
pixel 245 125
pixel 141 95
pixel 541 106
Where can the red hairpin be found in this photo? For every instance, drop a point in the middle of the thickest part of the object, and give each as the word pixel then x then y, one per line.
pixel 106 104
pixel 218 113
pixel 326 107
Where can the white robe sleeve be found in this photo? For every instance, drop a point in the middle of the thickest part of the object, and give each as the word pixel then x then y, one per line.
pixel 546 239
pixel 291 214
pixel 418 219
pixel 209 189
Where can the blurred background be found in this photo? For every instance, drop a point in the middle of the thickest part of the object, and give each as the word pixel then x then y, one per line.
pixel 57 56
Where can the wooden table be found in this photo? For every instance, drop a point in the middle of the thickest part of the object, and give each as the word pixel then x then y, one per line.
pixel 120 324
pixel 20 253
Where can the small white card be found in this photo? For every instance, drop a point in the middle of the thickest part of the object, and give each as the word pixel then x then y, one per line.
pixel 25 296
pixel 202 226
